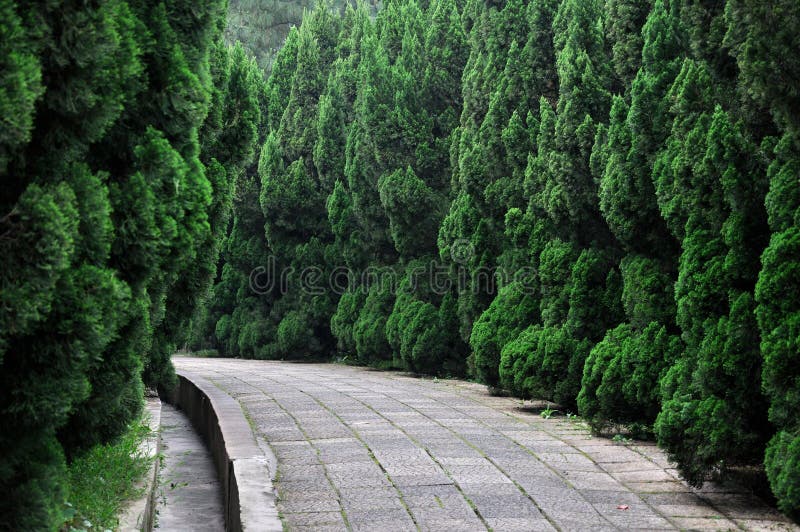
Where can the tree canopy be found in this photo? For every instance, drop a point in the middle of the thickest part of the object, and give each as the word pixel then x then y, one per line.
pixel 125 126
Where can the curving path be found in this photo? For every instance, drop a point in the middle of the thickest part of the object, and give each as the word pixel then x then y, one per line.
pixel 365 450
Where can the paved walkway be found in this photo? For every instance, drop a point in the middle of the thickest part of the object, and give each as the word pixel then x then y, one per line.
pixel 368 450
pixel 189 496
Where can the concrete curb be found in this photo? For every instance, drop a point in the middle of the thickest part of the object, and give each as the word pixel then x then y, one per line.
pixel 242 466
pixel 138 514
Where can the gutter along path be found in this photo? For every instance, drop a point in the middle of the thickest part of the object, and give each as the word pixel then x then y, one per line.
pixel 366 450
pixel 189 494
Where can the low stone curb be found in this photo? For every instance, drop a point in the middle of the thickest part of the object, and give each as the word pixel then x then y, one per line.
pixel 242 466
pixel 138 514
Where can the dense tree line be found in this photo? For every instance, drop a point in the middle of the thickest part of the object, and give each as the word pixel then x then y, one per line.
pixel 261 26
pixel 633 164
pixel 125 125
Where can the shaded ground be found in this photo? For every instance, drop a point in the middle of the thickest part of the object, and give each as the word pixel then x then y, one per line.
pixel 189 496
pixel 367 450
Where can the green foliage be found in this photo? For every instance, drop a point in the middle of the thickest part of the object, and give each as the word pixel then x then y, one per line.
pixel 505 318
pixel 625 19
pixel 544 362
pixel 555 265
pixel 778 312
pixel 117 154
pixel 294 335
pixel 369 332
pixel 422 337
pixel 547 361
pixel 594 295
pixel 768 72
pixel 622 374
pixel 21 82
pixel 342 322
pixel 779 318
pixel 635 162
pixel 782 462
pixel 711 418
pixel 34 477
pixel 411 208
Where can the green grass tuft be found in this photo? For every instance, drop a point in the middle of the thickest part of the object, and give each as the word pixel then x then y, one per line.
pixel 103 479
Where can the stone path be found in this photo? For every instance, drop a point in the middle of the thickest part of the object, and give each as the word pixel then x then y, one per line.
pixel 189 496
pixel 367 450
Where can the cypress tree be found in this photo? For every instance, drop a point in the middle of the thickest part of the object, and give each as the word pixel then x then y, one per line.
pixel 624 20
pixel 621 376
pixel 446 54
pixel 766 73
pixel 778 316
pixel 362 168
pixel 493 88
pixel 279 83
pixel 580 290
pixel 108 186
pixel 706 422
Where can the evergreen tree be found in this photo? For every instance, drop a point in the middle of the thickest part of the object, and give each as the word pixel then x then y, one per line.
pixel 624 20
pixel 621 376
pixel 706 423
pixel 362 167
pixel 778 318
pixel 580 289
pixel 108 224
pixel 490 149
pixel 279 83
pixel 228 154
pixel 766 73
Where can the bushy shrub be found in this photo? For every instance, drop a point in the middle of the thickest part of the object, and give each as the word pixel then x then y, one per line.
pixel 544 363
pixel 344 319
pixel 294 335
pixel 512 310
pixel 622 374
pixel 782 462
pixel 369 330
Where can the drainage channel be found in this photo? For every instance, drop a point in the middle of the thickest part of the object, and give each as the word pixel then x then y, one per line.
pixel 189 494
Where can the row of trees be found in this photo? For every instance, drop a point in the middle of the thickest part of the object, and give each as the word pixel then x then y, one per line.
pixel 633 164
pixel 124 127
pixel 261 26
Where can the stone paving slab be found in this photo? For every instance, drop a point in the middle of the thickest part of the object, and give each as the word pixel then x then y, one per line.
pixel 359 449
